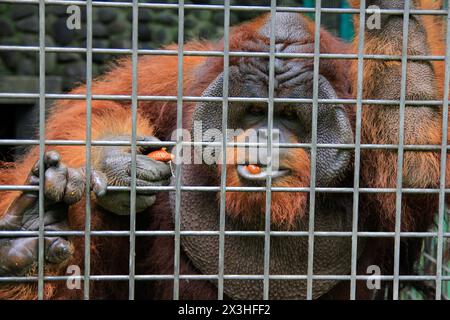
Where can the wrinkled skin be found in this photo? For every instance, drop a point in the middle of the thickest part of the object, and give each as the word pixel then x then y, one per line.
pixel 333 212
pixel 65 186
pixel 115 163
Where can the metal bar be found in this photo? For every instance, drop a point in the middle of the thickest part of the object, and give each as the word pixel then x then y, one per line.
pixel 442 208
pixel 270 111
pixel 209 53
pixel 440 234
pixel 223 176
pixel 221 7
pixel 177 223
pixel 41 253
pixel 20 142
pixel 250 189
pixel 367 234
pixel 313 152
pixel 134 107
pixel 437 103
pixel 359 90
pixel 226 277
pixel 434 261
pixel 87 237
pixel 398 209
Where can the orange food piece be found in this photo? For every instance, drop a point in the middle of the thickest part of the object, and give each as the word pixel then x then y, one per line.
pixel 254 169
pixel 161 155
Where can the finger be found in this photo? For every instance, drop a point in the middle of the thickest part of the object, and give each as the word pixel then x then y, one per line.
pixel 119 203
pixel 151 170
pixel 52 159
pixel 75 187
pixel 17 256
pixel 32 180
pixel 55 182
pixel 35 169
pixel 13 218
pixel 144 183
pixel 148 148
pixel 114 201
pixel 144 202
pixel 58 250
pixel 99 183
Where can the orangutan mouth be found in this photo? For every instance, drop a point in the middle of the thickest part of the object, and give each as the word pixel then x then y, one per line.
pixel 262 175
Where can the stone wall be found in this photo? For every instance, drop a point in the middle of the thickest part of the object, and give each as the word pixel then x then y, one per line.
pixel 111 29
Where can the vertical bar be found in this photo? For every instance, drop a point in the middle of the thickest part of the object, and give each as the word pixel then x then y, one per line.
pixel 179 145
pixel 134 106
pixel 273 21
pixel 87 227
pixel 41 249
pixel 223 177
pixel 359 96
pixel 442 209
pixel 401 142
pixel 312 195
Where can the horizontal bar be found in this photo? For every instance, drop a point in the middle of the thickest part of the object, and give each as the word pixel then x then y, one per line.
pixel 30 142
pixel 56 96
pixel 222 7
pixel 159 233
pixel 226 277
pixel 164 52
pixel 244 189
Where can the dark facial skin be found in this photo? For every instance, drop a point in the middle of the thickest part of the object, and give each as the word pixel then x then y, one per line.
pixel 200 211
pixel 293 122
pixel 286 127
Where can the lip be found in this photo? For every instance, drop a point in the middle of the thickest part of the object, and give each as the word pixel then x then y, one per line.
pixel 262 176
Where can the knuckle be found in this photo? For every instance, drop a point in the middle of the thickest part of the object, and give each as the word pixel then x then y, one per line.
pixel 75 177
pixel 73 194
pixel 17 256
pixel 52 158
pixel 59 251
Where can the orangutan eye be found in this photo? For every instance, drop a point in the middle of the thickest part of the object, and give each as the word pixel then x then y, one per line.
pixel 256 110
pixel 290 114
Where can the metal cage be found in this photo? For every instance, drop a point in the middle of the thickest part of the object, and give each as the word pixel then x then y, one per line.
pixel 434 262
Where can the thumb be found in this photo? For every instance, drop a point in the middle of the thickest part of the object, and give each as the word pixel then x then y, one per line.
pixel 13 218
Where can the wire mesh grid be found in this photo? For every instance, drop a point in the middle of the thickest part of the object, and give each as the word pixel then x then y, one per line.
pixel 433 259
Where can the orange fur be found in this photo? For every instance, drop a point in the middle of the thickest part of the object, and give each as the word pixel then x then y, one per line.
pixel 158 76
pixel 286 207
pixel 109 118
pixel 155 117
pixel 379 169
